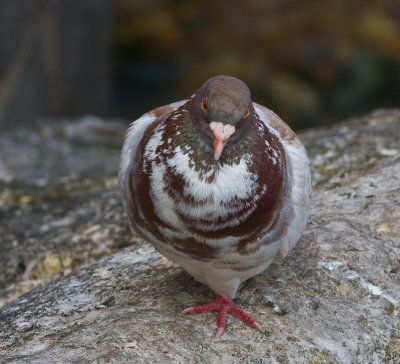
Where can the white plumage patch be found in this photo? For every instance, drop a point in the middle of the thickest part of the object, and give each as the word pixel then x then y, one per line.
pixel 229 182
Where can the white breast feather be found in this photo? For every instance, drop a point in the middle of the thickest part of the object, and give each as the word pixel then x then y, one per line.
pixel 229 181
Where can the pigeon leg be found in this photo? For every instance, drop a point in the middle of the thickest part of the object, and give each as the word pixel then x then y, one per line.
pixel 223 306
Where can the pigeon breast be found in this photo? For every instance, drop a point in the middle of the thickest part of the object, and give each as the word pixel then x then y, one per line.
pixel 191 207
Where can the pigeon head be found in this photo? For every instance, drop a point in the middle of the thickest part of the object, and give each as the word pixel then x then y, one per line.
pixel 222 107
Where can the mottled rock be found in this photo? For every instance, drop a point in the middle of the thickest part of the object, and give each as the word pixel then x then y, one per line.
pixel 59 189
pixel 334 299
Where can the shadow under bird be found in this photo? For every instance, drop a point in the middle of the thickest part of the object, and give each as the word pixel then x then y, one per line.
pixel 218 184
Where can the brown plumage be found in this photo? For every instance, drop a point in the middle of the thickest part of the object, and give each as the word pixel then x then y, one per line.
pixel 218 184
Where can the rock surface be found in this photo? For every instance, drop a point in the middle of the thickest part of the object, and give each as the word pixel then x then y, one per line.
pixel 334 299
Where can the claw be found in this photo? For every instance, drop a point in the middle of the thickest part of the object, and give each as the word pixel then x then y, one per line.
pixel 219 332
pixel 188 311
pixel 257 326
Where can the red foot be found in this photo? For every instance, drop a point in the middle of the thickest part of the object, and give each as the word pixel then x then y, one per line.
pixel 224 306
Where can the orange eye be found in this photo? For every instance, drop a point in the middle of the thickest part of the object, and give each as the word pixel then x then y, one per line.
pixel 204 105
pixel 246 114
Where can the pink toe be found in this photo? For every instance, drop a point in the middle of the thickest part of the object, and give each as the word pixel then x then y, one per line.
pixel 224 306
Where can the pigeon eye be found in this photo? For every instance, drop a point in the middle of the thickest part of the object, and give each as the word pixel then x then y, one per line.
pixel 246 114
pixel 203 105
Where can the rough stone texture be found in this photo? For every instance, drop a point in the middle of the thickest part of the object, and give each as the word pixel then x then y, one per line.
pixel 58 203
pixel 54 59
pixel 334 299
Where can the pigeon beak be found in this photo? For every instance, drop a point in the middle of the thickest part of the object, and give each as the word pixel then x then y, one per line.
pixel 221 134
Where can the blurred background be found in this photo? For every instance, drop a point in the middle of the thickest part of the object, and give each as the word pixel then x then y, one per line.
pixel 313 62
